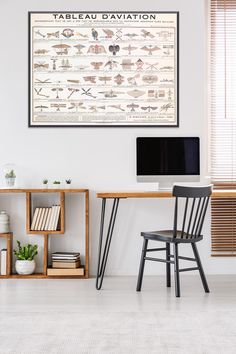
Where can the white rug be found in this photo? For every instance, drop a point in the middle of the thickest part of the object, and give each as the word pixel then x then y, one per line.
pixel 118 332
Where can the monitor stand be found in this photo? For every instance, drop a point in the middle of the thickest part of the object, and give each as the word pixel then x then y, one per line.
pixel 165 186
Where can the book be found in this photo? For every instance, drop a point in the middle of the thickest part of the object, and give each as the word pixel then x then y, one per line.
pixel 3 268
pixel 48 219
pixel 38 219
pixel 41 219
pixel 72 254
pixel 60 271
pixel 56 264
pixel 45 219
pixel 34 218
pixel 58 258
pixel 57 215
pixel 53 214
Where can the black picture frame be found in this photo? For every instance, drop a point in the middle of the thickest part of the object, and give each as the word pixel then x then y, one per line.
pixel 30 83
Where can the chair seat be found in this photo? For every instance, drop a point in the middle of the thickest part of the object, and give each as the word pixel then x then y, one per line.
pixel 167 236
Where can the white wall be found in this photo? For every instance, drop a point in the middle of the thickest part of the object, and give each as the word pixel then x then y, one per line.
pixel 100 159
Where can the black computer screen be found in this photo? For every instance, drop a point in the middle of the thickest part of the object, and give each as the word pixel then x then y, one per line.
pixel 167 156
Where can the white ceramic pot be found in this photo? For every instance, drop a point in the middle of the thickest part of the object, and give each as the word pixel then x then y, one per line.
pixel 56 186
pixel 4 222
pixel 10 182
pixel 25 267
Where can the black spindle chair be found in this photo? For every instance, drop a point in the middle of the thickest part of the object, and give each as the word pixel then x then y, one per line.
pixel 196 202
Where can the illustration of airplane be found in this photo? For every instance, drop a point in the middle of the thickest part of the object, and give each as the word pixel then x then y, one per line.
pixel 133 106
pixel 150 48
pixel 105 79
pixel 119 79
pixel 117 106
pixel 40 34
pixel 112 64
pixel 136 93
pixel 96 64
pixel 91 79
pixel 109 33
pixel 46 81
pixel 76 106
pixel 96 108
pixel 111 93
pixel 146 34
pixel 38 92
pixel 87 93
pixel 53 34
pixel 58 106
pixel 130 48
pixel 165 107
pixel 41 107
pixel 131 35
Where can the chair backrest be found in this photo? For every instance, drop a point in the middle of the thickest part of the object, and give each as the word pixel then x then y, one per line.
pixel 196 202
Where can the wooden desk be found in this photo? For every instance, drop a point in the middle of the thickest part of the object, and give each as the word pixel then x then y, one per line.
pixel 103 250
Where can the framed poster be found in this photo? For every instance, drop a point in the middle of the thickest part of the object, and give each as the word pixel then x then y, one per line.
pixel 116 69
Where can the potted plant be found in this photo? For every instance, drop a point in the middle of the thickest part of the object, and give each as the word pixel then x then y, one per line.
pixel 56 184
pixel 25 263
pixel 68 183
pixel 10 178
pixel 45 183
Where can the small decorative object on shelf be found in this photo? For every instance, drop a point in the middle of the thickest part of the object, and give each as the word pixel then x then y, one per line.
pixel 45 183
pixel 4 222
pixel 68 183
pixel 25 263
pixel 10 175
pixel 56 184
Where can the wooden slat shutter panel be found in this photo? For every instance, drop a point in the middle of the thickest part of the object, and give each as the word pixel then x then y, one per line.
pixel 223 123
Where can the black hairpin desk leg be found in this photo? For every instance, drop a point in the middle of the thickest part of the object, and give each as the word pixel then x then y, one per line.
pixel 104 251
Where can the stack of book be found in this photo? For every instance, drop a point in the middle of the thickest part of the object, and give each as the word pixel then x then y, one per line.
pixel 66 264
pixel 46 219
pixel 65 260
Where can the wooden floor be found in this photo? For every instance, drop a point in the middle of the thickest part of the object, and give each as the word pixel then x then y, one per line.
pixel 70 316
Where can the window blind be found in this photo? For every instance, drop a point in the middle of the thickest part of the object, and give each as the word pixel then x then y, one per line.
pixel 223 123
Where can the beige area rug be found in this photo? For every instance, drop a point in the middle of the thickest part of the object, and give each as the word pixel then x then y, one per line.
pixel 162 332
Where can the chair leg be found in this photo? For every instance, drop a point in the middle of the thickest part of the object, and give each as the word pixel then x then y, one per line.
pixel 141 267
pixel 201 271
pixel 168 269
pixel 176 264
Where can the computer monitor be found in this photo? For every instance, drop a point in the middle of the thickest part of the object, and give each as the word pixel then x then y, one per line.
pixel 168 160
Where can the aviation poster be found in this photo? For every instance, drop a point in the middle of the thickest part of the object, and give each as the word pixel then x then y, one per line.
pixel 103 69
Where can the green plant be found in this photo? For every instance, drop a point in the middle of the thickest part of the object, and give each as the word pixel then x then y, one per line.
pixel 26 253
pixel 45 181
pixel 68 181
pixel 56 182
pixel 10 174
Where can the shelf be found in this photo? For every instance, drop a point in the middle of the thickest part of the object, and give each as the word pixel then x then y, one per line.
pixel 31 276
pixel 46 233
pixel 29 216
pixel 71 272
pixel 6 235
pixel 51 190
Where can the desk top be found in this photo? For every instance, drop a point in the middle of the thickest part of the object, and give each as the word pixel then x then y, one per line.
pixel 222 193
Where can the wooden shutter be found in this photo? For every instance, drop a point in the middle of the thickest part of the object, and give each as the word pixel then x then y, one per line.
pixel 223 123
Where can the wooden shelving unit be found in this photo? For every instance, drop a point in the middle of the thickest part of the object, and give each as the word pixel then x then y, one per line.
pixel 46 234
